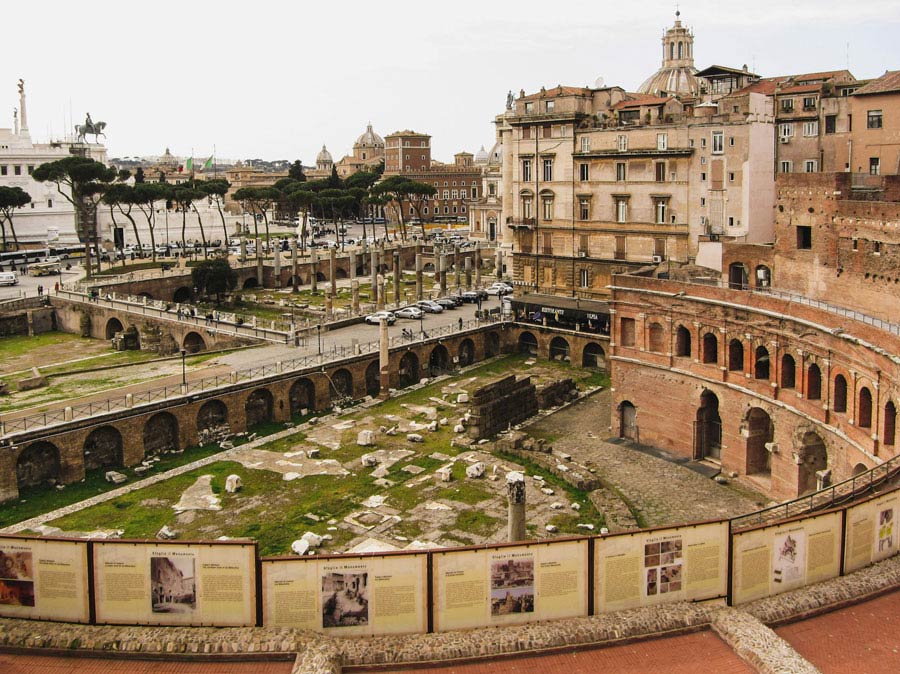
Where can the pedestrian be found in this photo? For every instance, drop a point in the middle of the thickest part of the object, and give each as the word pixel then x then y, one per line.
pixel 40 290
pixel 56 287
pixel 460 322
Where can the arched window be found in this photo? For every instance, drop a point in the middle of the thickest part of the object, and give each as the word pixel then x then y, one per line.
pixel 683 342
pixel 814 383
pixel 840 394
pixel 680 50
pixel 735 355
pixel 788 372
pixel 864 418
pixel 890 423
pixel 710 348
pixel 761 365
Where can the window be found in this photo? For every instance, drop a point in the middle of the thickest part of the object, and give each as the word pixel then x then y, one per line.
pixel 703 142
pixel 583 280
pixel 455 194
pixel 446 194
pixel 549 105
pixel 621 209
pixel 547 243
pixel 585 144
pixel 786 130
pixel 873 119
pixel 731 176
pixel 622 143
pixel 474 193
pixel 703 160
pixel 702 201
pixel 547 208
pixel 660 207
pixel 17 170
pixel 454 209
pixel 874 166
pixel 703 177
pixel 463 194
pixel 662 141
pixel 718 142
pixel 830 123
pixel 3 170
pixel 876 247
pixel 855 244
pixel 548 170
pixel 584 208
pixel 30 169
pixel 731 221
pixel 547 131
pixel 731 141
pixel 492 189
pixel 811 128
pixel 787 104
pixel 786 166
pixel 660 170
pixel 804 237
pixel 620 171
pixel 529 107
pixel 526 133
pixel 526 170
pixel 526 208
pixel 810 166
pixel 49 203
pixel 583 172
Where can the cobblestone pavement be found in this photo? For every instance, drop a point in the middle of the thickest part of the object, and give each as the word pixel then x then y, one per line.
pixel 860 639
pixel 685 654
pixel 660 490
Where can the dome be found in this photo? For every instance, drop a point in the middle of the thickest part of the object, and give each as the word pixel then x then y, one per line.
pixel 481 157
pixel 370 139
pixel 496 154
pixel 677 75
pixel 324 157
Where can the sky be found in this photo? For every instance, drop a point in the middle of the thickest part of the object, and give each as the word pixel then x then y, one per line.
pixel 279 80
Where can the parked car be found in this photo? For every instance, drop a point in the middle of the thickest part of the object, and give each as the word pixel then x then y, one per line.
pixel 376 318
pixel 472 296
pixel 499 288
pixel 409 312
pixel 446 302
pixel 429 307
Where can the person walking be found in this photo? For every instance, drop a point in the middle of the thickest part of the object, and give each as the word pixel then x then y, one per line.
pixel 40 290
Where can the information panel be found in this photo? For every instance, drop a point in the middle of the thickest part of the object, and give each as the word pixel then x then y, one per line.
pixel 509 585
pixel 348 596
pixel 871 531
pixel 175 583
pixel 666 565
pixel 44 579
pixel 776 559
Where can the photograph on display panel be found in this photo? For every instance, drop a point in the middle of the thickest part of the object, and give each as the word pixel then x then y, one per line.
pixel 886 540
pixel 345 599
pixel 663 562
pixel 788 564
pixel 173 582
pixel 16 578
pixel 512 586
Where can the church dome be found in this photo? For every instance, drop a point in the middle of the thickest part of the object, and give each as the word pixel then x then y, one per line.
pixel 482 156
pixel 677 75
pixel 370 139
pixel 324 157
pixel 496 154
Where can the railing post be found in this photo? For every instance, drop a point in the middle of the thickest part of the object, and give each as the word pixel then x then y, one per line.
pixel 129 400
pixel 67 414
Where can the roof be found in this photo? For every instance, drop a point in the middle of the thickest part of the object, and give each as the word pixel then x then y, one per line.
pixel 558 90
pixel 766 87
pixel 800 89
pixel 724 70
pixel 407 132
pixel 812 77
pixel 642 100
pixel 888 82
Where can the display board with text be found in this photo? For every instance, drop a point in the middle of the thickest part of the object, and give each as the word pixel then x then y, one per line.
pixel 44 579
pixel 653 567
pixel 871 531
pixel 775 559
pixel 175 583
pixel 349 596
pixel 509 585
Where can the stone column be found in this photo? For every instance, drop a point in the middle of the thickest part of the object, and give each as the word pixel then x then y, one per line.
pixel 313 268
pixel 373 269
pixel 351 260
pixel 498 264
pixel 442 275
pixel 468 272
pixel 243 250
pixel 457 268
pixel 294 265
pixel 515 488
pixel 259 263
pixel 418 273
pixel 354 290
pixel 332 270
pixel 277 266
pixel 379 305
pixel 477 264
pixel 397 277
pixel 329 307
pixel 384 359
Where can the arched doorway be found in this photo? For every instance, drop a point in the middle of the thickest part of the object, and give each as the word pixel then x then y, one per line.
pixel 683 342
pixel 302 396
pixel 183 295
pixel 296 280
pixel 814 383
pixel 812 458
pixel 373 378
pixel 250 283
pixel 466 352
pixel 213 414
pixel 839 397
pixel 593 356
pixel 113 325
pixel 409 369
pixel 760 431
pixel 439 360
pixel 890 424
pixel 341 385
pixel 627 420
pixel 761 363
pixel 864 416
pixel 559 349
pixel 528 344
pixel 341 273
pixel 859 469
pixel 492 345
pixel 735 355
pixel 146 295
pixel 259 407
pixel 320 276
pixel 37 464
pixel 710 349
pixel 788 372
pixel 737 276
pixel 193 343
pixel 708 428
pixel 161 434
pixel 103 448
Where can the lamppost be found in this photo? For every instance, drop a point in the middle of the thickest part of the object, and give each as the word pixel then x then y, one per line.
pixel 183 353
pixel 422 323
pixel 319 334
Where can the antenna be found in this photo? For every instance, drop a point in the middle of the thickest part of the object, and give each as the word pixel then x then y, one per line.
pixel 848 56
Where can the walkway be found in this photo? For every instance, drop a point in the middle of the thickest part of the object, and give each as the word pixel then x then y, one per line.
pixel 48 664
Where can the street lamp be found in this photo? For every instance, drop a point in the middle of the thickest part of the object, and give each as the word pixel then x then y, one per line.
pixel 183 353
pixel 319 333
pixel 422 323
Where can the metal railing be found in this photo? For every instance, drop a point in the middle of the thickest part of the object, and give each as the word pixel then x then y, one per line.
pixel 823 499
pixel 260 372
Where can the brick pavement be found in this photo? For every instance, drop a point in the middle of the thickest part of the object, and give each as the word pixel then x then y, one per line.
pixel 860 639
pixel 48 664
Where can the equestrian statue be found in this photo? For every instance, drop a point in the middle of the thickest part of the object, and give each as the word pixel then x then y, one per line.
pixel 90 127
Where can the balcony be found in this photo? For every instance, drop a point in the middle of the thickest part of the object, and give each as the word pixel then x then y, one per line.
pixel 522 223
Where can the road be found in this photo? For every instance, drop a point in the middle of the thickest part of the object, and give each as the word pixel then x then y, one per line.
pixel 27 286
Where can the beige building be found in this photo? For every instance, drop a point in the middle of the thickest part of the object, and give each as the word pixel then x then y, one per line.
pixel 875 136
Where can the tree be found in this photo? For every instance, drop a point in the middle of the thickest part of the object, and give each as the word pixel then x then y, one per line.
pixel 139 175
pixel 217 189
pixel 259 199
pixel 334 180
pixel 362 179
pixel 184 196
pixel 121 196
pixel 418 194
pixel 11 198
pixel 214 277
pixel 295 172
pixel 82 182
pixel 395 190
pixel 145 197
pixel 302 199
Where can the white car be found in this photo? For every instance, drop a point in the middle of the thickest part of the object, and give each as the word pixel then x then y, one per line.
pixel 375 319
pixel 409 312
pixel 430 307
pixel 499 289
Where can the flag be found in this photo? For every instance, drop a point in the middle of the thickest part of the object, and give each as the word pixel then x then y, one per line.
pixel 189 164
pixel 208 164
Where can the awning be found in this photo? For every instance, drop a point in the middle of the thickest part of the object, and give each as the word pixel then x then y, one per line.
pixel 570 308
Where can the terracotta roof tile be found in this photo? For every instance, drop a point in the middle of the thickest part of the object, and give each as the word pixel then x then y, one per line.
pixel 800 89
pixel 643 99
pixel 888 82
pixel 557 91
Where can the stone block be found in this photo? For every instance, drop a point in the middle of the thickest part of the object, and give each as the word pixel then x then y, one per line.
pixel 462 398
pixel 115 477
pixel 313 539
pixel 300 547
pixel 233 483
pixel 369 460
pixel 313 453
pixel 444 474
pixel 414 437
pixel 476 470
pixel 166 534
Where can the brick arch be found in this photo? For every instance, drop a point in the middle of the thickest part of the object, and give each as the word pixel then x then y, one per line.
pixel 761 363
pixel 161 434
pixel 193 342
pixel 259 407
pixel 528 343
pixel 593 355
pixel 183 295
pixel 813 382
pixel 408 370
pixel 656 337
pixel 103 448
pixel 710 343
pixel 373 378
pixel 491 345
pixel 37 464
pixel 212 414
pixel 735 355
pixel 466 352
pixel 302 396
pixel 788 378
pixel 865 405
pixel 889 424
pixel 839 393
pixel 559 348
pixel 682 341
pixel 113 325
pixel 341 384
pixel 250 282
pixel 812 457
pixel 438 360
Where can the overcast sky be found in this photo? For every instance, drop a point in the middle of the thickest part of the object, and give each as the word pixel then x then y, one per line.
pixel 277 80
